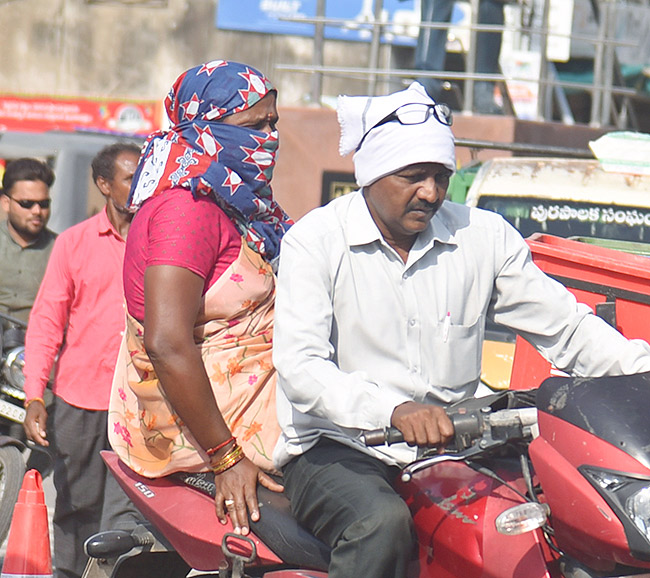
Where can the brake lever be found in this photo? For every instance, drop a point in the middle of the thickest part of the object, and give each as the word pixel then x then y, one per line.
pixel 411 469
pixel 479 446
pixel 391 435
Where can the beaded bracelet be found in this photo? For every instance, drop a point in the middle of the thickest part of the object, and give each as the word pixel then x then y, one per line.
pixel 222 445
pixel 29 402
pixel 234 456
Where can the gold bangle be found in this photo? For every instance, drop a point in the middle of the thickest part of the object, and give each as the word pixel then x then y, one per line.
pixel 234 450
pixel 28 403
pixel 229 465
pixel 228 460
pixel 234 456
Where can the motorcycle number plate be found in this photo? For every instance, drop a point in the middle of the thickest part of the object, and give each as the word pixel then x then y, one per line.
pixel 12 412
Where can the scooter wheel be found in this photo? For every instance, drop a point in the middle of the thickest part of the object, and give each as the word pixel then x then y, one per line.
pixel 12 472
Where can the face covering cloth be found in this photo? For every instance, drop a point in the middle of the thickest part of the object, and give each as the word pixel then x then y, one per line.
pixel 232 164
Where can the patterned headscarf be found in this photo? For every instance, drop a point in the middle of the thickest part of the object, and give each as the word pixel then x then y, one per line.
pixel 234 164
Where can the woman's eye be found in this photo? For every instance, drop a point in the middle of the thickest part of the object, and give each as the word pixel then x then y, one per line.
pixel 264 126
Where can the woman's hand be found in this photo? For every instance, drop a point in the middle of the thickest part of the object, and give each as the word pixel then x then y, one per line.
pixel 236 494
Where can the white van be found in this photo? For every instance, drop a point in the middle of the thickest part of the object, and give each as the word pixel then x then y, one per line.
pixel 564 197
pixel 571 198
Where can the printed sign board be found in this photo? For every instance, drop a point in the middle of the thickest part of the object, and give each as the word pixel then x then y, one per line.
pixel 277 17
pixel 40 114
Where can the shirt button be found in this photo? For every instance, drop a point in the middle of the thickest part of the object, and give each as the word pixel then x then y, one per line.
pixel 412 322
pixel 404 276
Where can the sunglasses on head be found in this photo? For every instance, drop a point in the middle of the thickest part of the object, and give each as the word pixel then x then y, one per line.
pixel 415 113
pixel 28 204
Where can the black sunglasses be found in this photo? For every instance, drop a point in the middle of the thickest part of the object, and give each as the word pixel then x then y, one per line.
pixel 415 113
pixel 28 204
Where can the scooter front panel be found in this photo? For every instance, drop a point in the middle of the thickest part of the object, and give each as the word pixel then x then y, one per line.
pixel 584 524
pixel 454 509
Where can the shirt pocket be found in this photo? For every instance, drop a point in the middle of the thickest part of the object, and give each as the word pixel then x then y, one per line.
pixel 456 353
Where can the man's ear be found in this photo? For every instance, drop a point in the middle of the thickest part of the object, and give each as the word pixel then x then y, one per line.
pixel 103 186
pixel 4 202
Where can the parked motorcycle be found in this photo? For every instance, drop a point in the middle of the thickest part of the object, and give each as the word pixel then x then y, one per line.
pixel 545 483
pixel 13 445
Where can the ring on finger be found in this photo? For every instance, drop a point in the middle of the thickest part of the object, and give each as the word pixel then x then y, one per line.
pixel 229 503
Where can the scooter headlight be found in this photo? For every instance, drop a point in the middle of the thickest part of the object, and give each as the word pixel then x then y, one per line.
pixel 638 508
pixel 628 495
pixel 13 367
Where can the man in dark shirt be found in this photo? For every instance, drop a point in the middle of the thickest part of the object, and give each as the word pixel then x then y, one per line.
pixel 25 242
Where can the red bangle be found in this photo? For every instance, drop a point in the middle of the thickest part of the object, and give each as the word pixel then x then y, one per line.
pixel 222 445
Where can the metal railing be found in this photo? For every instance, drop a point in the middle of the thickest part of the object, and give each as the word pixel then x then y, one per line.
pixel 610 97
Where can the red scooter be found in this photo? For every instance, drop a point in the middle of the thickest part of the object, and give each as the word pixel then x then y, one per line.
pixel 545 483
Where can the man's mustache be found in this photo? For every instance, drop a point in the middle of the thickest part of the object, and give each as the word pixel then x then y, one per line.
pixel 424 206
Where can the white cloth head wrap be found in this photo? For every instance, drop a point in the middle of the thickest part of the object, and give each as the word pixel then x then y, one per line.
pixel 391 146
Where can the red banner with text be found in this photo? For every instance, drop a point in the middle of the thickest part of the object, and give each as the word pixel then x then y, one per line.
pixel 40 114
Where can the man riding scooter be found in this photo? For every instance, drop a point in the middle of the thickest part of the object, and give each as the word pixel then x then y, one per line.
pixel 383 296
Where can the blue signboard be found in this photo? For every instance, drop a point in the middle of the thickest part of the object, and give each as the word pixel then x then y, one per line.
pixel 275 17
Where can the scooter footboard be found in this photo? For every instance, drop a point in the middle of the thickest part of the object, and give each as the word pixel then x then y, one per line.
pixel 186 518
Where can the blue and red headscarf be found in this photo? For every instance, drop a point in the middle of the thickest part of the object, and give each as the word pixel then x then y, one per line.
pixel 231 163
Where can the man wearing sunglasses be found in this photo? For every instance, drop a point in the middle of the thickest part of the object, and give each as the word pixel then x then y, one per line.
pixel 382 300
pixel 25 241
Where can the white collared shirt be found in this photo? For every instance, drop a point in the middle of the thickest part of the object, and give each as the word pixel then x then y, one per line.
pixel 358 331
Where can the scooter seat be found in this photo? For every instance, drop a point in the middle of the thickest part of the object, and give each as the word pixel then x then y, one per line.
pixel 186 520
pixel 277 527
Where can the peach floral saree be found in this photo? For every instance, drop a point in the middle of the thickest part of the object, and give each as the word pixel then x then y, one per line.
pixel 234 333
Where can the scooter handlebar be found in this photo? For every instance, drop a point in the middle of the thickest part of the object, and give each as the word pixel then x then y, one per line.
pixel 386 436
pixel 463 423
pixel 380 437
pixel 468 426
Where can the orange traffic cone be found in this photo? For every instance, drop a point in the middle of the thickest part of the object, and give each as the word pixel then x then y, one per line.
pixel 28 548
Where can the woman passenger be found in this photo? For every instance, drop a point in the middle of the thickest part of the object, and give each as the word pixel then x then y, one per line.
pixel 194 388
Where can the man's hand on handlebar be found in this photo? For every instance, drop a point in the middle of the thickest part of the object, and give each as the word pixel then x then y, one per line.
pixel 423 425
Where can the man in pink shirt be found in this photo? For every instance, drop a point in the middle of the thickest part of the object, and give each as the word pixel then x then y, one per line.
pixel 78 316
